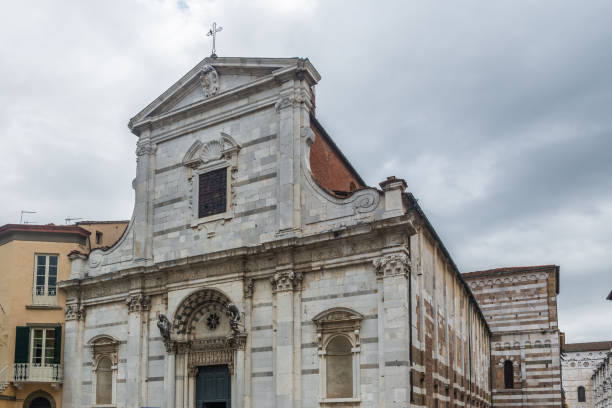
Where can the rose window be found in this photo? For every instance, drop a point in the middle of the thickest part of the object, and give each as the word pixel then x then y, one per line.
pixel 212 321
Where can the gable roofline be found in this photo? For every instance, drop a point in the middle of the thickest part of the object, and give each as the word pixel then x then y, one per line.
pixel 273 67
pixel 414 205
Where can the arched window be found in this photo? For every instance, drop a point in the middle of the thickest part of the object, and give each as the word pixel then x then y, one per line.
pixel 581 394
pixel 104 381
pixel 104 350
pixel 339 348
pixel 508 374
pixel 339 368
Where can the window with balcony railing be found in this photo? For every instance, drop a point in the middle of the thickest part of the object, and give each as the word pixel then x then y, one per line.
pixel 38 354
pixel 44 291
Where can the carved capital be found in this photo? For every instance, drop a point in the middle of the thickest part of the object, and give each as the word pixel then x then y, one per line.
pixel 75 312
pixel 138 303
pixel 392 265
pixel 286 281
pixel 249 287
pixel 145 148
pixel 171 347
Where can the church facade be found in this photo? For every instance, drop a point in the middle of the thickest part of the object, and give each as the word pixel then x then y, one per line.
pixel 258 269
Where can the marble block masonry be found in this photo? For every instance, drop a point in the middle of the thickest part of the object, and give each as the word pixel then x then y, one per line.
pixel 312 259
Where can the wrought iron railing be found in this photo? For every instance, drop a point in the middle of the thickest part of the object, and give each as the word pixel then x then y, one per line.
pixel 32 372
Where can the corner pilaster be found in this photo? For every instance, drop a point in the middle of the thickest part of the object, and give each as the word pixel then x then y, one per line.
pixel 284 283
pixel 393 272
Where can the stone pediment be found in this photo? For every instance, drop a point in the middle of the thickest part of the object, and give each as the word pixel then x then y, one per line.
pixel 212 79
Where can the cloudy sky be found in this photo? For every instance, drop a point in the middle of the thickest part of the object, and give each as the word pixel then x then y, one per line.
pixel 497 114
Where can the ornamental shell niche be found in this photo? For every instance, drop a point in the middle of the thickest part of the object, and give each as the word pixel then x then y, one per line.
pixel 211 151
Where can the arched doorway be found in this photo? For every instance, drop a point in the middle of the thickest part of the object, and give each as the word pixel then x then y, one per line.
pixel 207 337
pixel 39 399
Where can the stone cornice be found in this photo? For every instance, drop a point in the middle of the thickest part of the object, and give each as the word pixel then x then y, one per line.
pixel 234 264
pixel 300 69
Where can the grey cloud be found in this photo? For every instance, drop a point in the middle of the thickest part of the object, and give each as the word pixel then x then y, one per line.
pixel 496 113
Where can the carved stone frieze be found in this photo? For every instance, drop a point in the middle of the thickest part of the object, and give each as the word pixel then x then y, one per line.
pixel 138 303
pixel 212 357
pixel 392 265
pixel 102 289
pixel 75 312
pixel 286 281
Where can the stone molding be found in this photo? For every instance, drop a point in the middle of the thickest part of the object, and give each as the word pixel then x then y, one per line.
pixel 223 148
pixel 508 279
pixel 75 311
pixel 392 265
pixel 138 303
pixel 336 321
pixel 286 281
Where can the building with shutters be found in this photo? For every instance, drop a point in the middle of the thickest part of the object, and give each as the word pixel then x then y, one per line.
pixel 259 270
pixel 33 258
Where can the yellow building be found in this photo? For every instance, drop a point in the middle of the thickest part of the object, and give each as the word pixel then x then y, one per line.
pixel 33 258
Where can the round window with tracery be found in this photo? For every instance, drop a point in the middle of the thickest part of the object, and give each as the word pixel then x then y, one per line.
pixel 212 321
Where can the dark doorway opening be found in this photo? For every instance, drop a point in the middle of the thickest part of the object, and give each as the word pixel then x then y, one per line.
pixel 213 387
pixel 40 402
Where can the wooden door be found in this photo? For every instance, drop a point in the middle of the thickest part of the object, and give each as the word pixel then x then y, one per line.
pixel 213 387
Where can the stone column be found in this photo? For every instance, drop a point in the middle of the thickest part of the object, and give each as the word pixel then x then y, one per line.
pixel 284 283
pixel 191 390
pixel 170 374
pixel 73 355
pixel 393 270
pixel 137 304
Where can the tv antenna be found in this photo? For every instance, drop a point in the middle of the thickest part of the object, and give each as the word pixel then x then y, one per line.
pixel 69 219
pixel 25 212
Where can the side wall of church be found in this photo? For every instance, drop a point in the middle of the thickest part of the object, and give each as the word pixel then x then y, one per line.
pixel 451 341
pixel 520 307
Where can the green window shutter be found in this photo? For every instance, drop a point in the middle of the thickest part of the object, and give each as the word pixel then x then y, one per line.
pixel 22 344
pixel 57 352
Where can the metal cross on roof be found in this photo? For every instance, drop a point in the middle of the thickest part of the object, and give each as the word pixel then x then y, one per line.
pixel 213 32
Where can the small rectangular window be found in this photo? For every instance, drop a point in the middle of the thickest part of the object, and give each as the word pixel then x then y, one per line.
pixel 98 238
pixel 212 194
